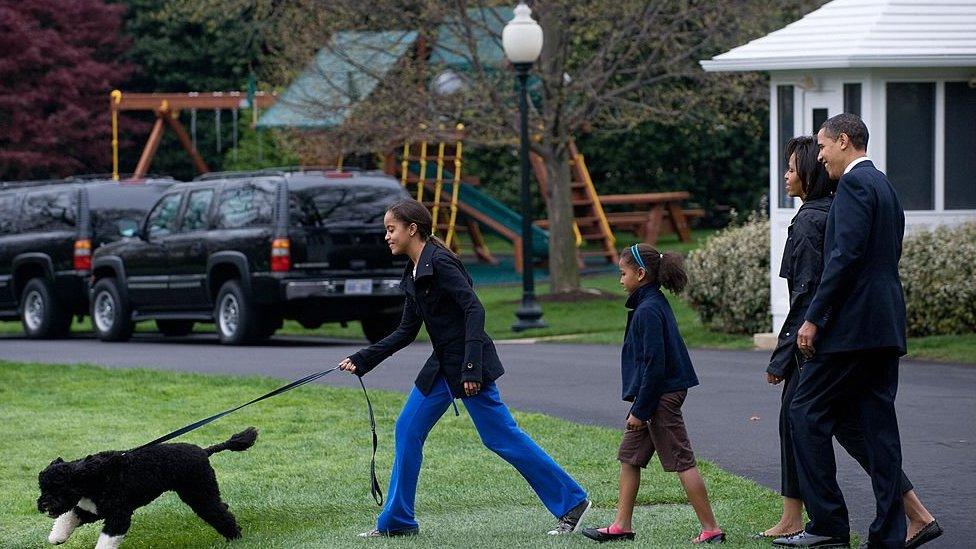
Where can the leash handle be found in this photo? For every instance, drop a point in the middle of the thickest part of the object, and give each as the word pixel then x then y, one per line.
pixel 374 483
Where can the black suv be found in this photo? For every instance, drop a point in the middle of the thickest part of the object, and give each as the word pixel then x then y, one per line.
pixel 48 230
pixel 247 250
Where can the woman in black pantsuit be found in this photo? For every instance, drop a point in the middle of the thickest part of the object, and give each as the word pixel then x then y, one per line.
pixel 802 266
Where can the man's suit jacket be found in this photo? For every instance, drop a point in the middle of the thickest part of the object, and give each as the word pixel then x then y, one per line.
pixel 860 303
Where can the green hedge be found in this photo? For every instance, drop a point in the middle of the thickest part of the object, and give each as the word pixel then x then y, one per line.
pixel 938 272
pixel 729 279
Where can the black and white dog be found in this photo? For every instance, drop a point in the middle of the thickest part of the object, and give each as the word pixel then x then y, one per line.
pixel 112 485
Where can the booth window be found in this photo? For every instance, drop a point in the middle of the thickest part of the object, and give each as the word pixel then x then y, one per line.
pixel 910 143
pixel 852 98
pixel 960 146
pixel 784 113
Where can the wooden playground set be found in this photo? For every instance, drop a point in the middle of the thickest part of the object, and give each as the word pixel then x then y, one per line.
pixel 432 172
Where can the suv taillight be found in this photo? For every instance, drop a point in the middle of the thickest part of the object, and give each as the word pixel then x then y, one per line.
pixel 82 258
pixel 280 255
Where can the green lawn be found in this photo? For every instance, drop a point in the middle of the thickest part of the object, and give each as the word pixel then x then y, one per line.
pixel 304 484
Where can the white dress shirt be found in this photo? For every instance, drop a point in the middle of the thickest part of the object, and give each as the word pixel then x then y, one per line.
pixel 855 162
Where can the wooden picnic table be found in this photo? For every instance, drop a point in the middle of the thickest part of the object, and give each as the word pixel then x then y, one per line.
pixel 648 213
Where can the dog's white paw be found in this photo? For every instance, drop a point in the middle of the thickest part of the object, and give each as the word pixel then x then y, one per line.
pixel 106 541
pixel 64 525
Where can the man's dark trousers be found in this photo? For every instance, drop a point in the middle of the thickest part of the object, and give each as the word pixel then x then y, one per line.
pixel 831 388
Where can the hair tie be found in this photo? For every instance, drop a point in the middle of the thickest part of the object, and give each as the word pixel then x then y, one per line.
pixel 637 257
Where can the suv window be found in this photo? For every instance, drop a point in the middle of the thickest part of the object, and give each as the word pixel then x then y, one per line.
pixel 197 207
pixel 246 206
pixel 162 218
pixel 50 210
pixel 318 206
pixel 118 211
pixel 8 213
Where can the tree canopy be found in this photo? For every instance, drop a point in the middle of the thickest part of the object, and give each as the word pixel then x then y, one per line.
pixel 57 62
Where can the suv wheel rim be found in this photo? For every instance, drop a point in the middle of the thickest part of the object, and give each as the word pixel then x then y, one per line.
pixel 229 315
pixel 104 312
pixel 34 310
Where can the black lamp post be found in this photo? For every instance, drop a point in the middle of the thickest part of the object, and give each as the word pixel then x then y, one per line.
pixel 522 40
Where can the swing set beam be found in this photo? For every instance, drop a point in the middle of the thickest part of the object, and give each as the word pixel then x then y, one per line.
pixel 167 107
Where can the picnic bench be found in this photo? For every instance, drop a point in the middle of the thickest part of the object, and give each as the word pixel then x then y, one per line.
pixel 650 213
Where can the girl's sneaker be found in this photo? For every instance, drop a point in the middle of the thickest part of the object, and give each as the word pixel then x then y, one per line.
pixel 610 533
pixel 571 521
pixel 374 533
pixel 710 536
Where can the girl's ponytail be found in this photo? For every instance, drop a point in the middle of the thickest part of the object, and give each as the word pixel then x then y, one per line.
pixel 671 272
pixel 666 269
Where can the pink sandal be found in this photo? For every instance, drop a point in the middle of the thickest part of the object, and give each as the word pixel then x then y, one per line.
pixel 710 536
pixel 609 533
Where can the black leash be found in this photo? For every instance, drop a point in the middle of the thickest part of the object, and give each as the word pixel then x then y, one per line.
pixel 374 487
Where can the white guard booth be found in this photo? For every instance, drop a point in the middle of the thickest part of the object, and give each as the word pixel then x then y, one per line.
pixel 908 68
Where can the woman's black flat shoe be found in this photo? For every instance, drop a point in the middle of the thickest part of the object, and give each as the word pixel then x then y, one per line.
pixel 928 533
pixel 596 535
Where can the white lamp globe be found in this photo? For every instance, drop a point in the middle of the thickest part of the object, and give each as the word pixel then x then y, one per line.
pixel 522 36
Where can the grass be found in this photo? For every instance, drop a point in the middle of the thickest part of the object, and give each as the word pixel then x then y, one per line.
pixel 945 348
pixel 592 321
pixel 304 484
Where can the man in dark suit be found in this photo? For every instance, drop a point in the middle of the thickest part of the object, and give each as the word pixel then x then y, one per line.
pixel 853 335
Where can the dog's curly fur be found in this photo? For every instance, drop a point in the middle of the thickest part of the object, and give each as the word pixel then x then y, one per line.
pixel 112 485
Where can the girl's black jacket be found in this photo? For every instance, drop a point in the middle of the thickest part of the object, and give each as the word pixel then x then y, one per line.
pixel 442 297
pixel 802 266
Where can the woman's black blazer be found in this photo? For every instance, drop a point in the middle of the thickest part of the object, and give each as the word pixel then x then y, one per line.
pixel 441 297
pixel 802 266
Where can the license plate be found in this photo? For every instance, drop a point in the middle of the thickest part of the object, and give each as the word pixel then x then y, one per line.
pixel 359 287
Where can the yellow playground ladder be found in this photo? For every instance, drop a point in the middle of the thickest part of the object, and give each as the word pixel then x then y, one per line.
pixel 446 151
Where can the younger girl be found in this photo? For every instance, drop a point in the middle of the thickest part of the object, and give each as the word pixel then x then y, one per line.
pixel 464 365
pixel 656 372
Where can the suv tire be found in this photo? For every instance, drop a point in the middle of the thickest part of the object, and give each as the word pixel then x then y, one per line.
pixel 41 313
pixel 175 328
pixel 235 316
pixel 110 312
pixel 269 323
pixel 376 328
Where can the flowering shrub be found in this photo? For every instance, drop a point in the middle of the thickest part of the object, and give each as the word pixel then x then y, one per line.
pixel 938 272
pixel 728 278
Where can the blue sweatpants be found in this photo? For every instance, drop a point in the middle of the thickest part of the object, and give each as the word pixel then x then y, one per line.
pixel 499 432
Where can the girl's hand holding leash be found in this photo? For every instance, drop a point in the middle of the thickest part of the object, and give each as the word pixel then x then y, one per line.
pixel 471 388
pixel 634 424
pixel 347 366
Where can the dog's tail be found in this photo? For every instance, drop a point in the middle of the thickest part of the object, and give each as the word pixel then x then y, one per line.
pixel 237 443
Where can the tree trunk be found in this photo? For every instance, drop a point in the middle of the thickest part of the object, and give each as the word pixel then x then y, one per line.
pixel 563 270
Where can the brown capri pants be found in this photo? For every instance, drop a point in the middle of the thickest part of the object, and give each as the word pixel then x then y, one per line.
pixel 665 434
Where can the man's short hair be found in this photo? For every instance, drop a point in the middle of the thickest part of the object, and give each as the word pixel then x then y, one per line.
pixel 848 123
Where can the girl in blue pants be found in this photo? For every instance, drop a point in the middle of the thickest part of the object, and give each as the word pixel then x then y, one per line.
pixel 464 365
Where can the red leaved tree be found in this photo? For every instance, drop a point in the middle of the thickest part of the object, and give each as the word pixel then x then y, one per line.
pixel 59 59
